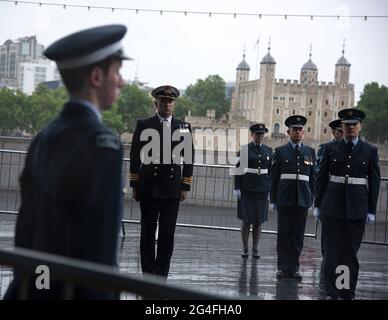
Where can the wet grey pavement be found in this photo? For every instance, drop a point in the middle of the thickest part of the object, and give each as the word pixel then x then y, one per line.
pixel 209 260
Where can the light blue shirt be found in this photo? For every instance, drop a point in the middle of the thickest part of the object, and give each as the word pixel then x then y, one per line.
pixel 88 105
pixel 294 144
pixel 355 141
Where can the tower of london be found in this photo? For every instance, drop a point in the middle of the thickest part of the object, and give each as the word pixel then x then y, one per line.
pixel 272 100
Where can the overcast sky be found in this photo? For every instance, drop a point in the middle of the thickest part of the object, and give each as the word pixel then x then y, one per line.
pixel 176 49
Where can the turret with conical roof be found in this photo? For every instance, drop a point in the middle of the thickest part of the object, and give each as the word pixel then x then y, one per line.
pixel 266 87
pixel 267 65
pixel 242 69
pixel 309 71
pixel 242 75
pixel 342 70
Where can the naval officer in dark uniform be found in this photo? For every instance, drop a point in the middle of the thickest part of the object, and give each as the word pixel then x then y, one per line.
pixel 71 185
pixel 252 186
pixel 292 190
pixel 157 179
pixel 337 132
pixel 348 185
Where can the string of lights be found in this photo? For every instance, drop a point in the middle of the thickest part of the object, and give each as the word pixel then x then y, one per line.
pixel 259 15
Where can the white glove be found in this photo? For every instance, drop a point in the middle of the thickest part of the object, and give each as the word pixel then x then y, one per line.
pixel 370 218
pixel 237 193
pixel 316 213
pixel 274 207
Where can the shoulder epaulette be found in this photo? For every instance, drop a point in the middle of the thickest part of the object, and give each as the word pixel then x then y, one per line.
pixel 107 140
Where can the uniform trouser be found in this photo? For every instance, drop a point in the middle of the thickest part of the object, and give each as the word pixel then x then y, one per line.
pixel 322 241
pixel 291 226
pixel 342 240
pixel 167 211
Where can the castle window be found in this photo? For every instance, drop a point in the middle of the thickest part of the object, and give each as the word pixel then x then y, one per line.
pixel 342 103
pixel 276 128
pixel 311 101
pixel 327 102
pixel 277 110
pixel 293 111
pixel 308 129
pixel 275 98
pixel 325 114
pixel 324 130
pixel 310 113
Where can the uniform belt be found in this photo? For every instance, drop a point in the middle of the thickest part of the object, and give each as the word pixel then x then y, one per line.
pixel 257 171
pixel 293 176
pixel 349 180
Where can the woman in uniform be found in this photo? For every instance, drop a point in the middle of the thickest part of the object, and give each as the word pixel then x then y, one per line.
pixel 252 186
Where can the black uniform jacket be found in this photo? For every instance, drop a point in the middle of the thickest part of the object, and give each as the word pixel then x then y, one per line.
pixel 342 200
pixel 71 190
pixel 257 160
pixel 293 192
pixel 155 166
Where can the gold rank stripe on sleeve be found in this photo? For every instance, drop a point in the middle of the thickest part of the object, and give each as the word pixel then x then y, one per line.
pixel 187 180
pixel 133 176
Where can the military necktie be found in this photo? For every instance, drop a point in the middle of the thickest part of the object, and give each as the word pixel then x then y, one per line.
pixel 349 147
pixel 297 149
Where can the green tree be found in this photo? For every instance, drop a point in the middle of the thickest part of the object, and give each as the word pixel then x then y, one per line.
pixel 374 102
pixel 208 94
pixel 113 119
pixel 133 104
pixel 182 107
pixel 44 104
pixel 12 105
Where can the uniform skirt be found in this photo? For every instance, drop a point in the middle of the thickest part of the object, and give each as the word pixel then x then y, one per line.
pixel 252 207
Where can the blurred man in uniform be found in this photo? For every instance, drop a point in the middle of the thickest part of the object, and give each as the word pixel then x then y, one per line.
pixel 71 185
pixel 337 132
pixel 157 179
pixel 292 189
pixel 348 185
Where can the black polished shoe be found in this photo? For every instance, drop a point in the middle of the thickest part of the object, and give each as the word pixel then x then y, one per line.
pixel 244 253
pixel 255 254
pixel 281 274
pixel 296 275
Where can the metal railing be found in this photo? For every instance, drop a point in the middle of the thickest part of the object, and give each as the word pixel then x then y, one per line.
pixel 211 203
pixel 79 273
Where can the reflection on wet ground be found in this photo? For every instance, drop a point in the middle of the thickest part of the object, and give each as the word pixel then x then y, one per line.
pixel 209 260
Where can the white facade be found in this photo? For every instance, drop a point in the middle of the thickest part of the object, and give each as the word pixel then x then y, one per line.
pixel 31 74
pixel 24 57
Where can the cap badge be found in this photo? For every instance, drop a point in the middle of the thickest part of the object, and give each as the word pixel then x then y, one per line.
pixel 297 118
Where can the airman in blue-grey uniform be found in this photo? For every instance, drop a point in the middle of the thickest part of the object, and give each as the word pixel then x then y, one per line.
pixel 337 132
pixel 71 185
pixel 347 189
pixel 252 185
pixel 292 190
